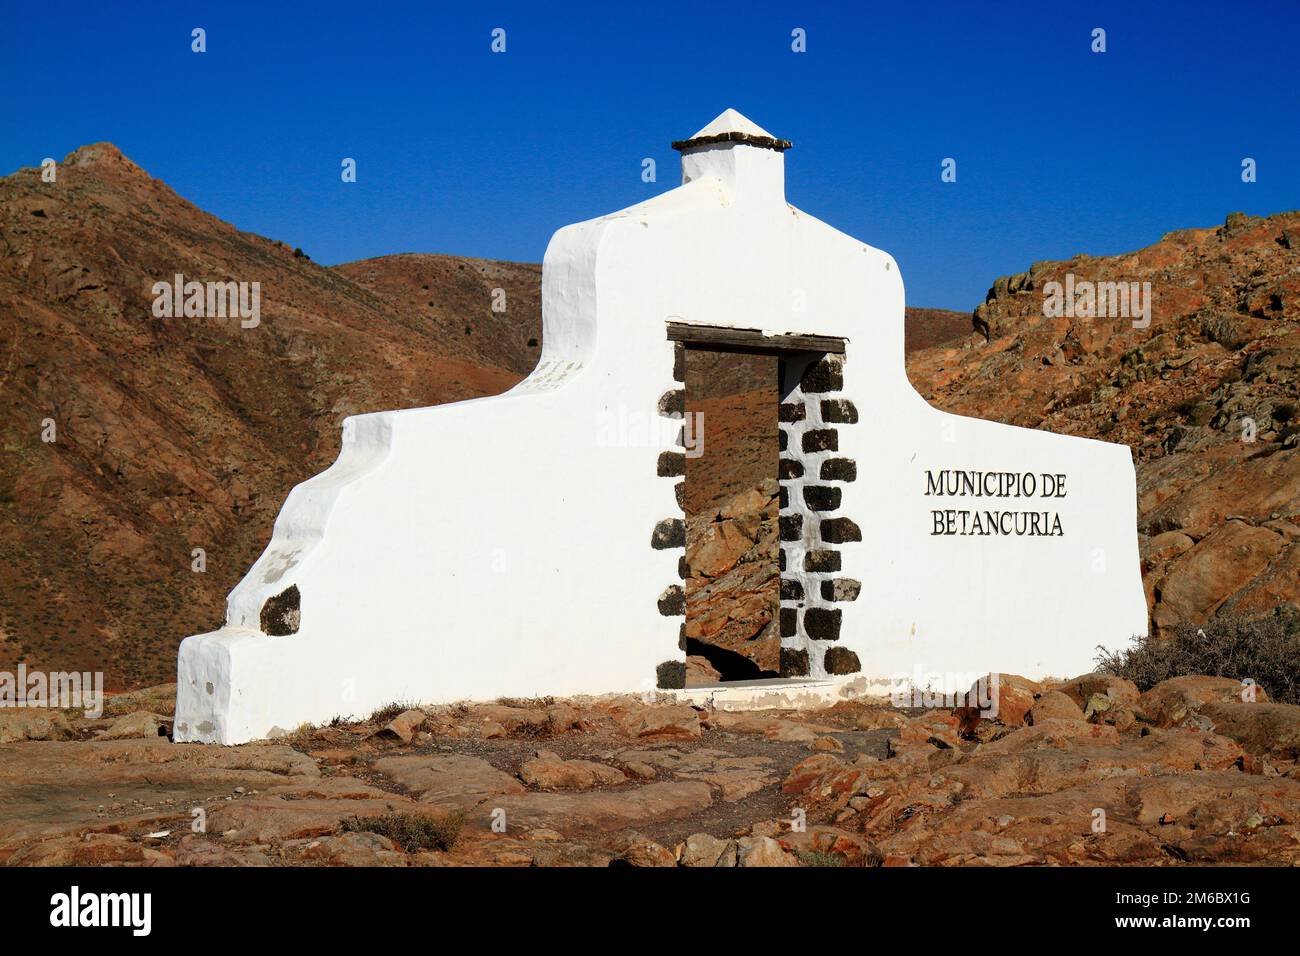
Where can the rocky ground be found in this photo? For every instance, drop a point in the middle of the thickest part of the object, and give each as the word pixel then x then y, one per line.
pixel 1083 773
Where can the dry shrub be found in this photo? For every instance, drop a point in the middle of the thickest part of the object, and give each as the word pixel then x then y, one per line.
pixel 382 715
pixel 411 831
pixel 1266 650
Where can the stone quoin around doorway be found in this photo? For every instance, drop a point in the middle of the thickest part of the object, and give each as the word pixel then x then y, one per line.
pixel 805 419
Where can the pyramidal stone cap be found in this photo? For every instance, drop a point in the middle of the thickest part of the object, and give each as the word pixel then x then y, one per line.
pixel 732 127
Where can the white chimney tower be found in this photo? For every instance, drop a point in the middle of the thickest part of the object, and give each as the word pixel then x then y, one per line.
pixel 741 154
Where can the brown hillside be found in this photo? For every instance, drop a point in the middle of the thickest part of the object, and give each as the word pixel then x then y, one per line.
pixel 926 328
pixel 451 298
pixel 184 433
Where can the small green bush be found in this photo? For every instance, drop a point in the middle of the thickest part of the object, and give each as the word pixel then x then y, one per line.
pixel 1266 650
pixel 411 831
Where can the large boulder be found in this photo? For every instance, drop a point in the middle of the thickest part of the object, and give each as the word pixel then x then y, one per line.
pixel 159 700
pixel 547 771
pixel 720 547
pixel 1054 705
pixel 640 851
pixel 1263 729
pixel 137 725
pixel 763 851
pixel 699 671
pixel 1117 688
pixel 701 849
pixel 403 726
pixel 680 721
pixel 452 779
pixel 832 842
pixel 31 723
pixel 1172 701
pixel 1009 697
pixel 1224 562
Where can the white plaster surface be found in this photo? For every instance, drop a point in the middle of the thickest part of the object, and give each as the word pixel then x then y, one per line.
pixel 501 546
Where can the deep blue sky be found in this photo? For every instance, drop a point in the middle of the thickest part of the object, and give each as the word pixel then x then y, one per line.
pixel 1059 150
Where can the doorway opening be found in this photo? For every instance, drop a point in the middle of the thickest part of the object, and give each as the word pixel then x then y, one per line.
pixel 761 474
pixel 732 509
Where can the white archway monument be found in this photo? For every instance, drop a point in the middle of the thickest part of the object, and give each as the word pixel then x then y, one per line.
pixel 528 544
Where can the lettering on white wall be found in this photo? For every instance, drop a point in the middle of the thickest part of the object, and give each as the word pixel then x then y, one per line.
pixel 963 483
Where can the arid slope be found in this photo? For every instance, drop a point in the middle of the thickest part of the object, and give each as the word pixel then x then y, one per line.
pixel 177 434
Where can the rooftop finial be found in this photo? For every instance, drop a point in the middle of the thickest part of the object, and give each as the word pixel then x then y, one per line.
pixel 732 127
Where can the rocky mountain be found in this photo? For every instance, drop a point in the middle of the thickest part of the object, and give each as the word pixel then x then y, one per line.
pixel 1206 394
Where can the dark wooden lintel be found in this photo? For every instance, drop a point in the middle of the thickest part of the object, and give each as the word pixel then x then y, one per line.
pixel 750 340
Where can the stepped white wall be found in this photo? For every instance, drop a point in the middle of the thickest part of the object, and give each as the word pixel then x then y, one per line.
pixel 502 546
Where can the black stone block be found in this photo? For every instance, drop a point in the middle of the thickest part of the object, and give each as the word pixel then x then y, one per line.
pixel 839 530
pixel 821 439
pixel 672 464
pixel 671 675
pixel 839 469
pixel 841 589
pixel 673 402
pixel 794 662
pixel 841 660
pixel 789 622
pixel 822 624
pixel 669 533
pixel 826 375
pixel 673 601
pixel 821 561
pixel 282 613
pixel 839 410
pixel 821 498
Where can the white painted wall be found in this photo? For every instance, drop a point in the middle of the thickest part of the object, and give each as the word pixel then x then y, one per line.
pixel 500 546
